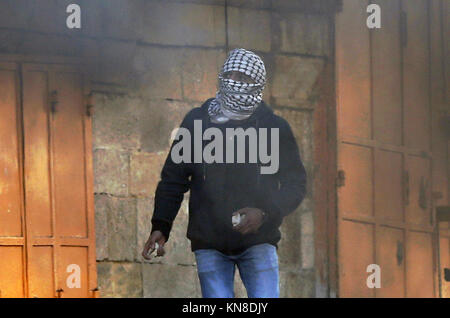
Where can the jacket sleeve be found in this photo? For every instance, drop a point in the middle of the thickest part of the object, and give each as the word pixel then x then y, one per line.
pixel 175 181
pixel 291 177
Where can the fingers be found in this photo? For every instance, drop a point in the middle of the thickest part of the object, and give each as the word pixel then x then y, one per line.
pixel 154 244
pixel 148 246
pixel 160 251
pixel 241 225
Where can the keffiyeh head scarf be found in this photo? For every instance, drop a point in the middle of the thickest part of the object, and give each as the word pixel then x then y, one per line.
pixel 238 100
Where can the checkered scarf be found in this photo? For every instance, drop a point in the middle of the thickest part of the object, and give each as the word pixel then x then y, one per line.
pixel 238 100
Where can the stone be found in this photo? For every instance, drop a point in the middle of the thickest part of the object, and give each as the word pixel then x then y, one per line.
pixel 110 172
pixel 297 284
pixel 170 281
pixel 115 121
pixel 260 4
pixel 30 43
pixel 144 226
pixel 105 284
pixel 145 172
pixel 158 72
pixel 101 226
pixel 301 126
pixel 126 19
pixel 316 6
pixel 127 280
pixel 119 280
pixel 156 121
pixel 303 33
pixel 294 79
pixel 178 248
pixel 249 28
pixel 121 228
pixel 289 247
pixel 197 24
pixel 307 251
pixel 116 63
pixel 200 73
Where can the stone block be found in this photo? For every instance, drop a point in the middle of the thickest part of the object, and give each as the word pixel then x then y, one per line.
pixel 196 24
pixel 289 247
pixel 260 4
pixel 120 280
pixel 101 226
pixel 111 172
pixel 170 281
pixel 303 33
pixel 93 17
pixel 115 121
pixel 178 248
pixel 297 284
pixel 307 251
pixel 116 63
pixel 158 72
pixel 145 172
pixel 210 2
pixel 249 28
pixel 125 19
pixel 121 216
pixel 45 16
pixel 27 43
pixel 16 13
pixel 200 73
pixel 301 124
pixel 105 284
pixel 144 226
pixel 316 6
pixel 294 79
pixel 156 121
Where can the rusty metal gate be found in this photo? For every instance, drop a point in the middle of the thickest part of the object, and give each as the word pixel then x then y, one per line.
pixel 47 245
pixel 392 157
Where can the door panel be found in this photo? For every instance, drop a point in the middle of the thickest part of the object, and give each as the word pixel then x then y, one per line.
pixel 384 158
pixel 419 247
pixel 357 245
pixel 354 69
pixel 386 75
pixel 74 261
pixel 445 263
pixel 68 151
pixel 418 207
pixel 41 272
pixel 390 256
pixel 58 180
pixel 10 179
pixel 12 274
pixel 389 185
pixel 37 177
pixel 356 195
pixel 416 76
pixel 12 240
pixel 46 167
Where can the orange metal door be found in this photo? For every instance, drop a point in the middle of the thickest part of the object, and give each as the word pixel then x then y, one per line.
pixel 57 187
pixel 385 208
pixel 58 183
pixel 12 227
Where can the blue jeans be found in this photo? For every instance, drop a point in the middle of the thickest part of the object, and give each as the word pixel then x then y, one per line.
pixel 258 268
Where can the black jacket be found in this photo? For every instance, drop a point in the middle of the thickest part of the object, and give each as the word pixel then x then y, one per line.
pixel 219 189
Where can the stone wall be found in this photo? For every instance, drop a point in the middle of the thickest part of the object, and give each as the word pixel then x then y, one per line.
pixel 149 63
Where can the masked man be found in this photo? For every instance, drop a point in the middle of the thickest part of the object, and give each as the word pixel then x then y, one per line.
pixel 255 181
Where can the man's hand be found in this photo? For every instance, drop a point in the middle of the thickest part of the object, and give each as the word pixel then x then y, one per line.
pixel 252 221
pixel 155 237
